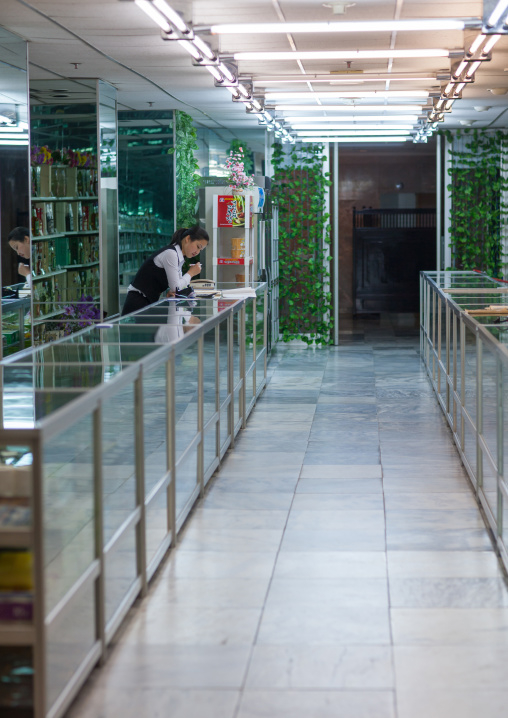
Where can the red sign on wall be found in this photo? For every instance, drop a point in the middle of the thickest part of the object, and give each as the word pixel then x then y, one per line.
pixel 230 211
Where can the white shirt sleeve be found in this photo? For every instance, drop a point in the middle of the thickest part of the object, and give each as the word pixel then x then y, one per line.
pixel 171 262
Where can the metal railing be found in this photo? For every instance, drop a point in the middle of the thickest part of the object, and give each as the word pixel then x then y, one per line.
pixel 125 423
pixel 464 346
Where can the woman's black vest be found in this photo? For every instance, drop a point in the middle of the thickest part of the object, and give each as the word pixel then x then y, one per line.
pixel 150 279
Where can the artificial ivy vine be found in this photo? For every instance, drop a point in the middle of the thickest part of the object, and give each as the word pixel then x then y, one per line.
pixel 187 181
pixel 478 208
pixel 299 190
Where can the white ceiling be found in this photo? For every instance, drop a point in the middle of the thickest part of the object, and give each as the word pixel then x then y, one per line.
pixel 114 40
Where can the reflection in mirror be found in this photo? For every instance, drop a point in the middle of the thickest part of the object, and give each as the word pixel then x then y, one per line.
pixel 145 188
pixel 14 194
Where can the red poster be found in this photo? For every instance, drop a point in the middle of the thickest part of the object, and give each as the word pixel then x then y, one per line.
pixel 230 211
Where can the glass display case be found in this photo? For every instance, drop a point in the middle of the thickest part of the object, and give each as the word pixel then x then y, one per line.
pixel 109 437
pixel 73 210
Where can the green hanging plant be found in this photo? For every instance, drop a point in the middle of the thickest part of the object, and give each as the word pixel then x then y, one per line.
pixel 299 189
pixel 478 186
pixel 187 179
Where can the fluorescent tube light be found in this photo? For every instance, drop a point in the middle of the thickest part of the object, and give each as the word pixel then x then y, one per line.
pixel 154 14
pixel 171 15
pixel 341 140
pixel 359 126
pixel 12 128
pixel 473 69
pixel 192 49
pixel 459 88
pixel 458 72
pixel 233 91
pixel 226 72
pixel 12 136
pixel 263 28
pixel 244 91
pixel 204 48
pixel 215 72
pixel 490 43
pixel 338 80
pixel 342 55
pixel 448 105
pixel 348 133
pixel 257 105
pixel 344 109
pixel 346 93
pixel 355 118
pixel 13 142
pixel 496 14
pixel 476 44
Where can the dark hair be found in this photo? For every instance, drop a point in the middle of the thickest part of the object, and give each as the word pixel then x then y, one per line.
pixel 195 232
pixel 18 234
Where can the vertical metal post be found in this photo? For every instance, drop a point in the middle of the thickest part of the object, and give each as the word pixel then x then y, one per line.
pixel 254 301
pixel 462 383
pixel 439 200
pixel 201 399
pixel 265 332
pixel 500 443
pixel 243 359
pixel 447 251
pixel 100 583
pixel 335 245
pixel 479 410
pixel 140 481
pixel 231 379
pixel 171 445
pixel 454 319
pixel 447 378
pixel 439 342
pixel 40 648
pixel 217 390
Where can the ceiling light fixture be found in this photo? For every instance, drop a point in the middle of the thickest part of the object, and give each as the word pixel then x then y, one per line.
pixel 355 118
pixel 350 108
pixel 191 49
pixel 342 55
pixel 359 140
pixel 490 43
pixel 347 133
pixel 496 14
pixel 172 16
pixel 154 14
pixel 352 126
pixel 347 94
pixel 264 28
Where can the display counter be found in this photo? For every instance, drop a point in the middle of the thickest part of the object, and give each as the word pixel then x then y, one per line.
pixel 464 346
pixel 109 437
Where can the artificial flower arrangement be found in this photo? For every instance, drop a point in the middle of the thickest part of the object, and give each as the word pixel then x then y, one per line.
pixel 73 158
pixel 237 178
pixel 80 315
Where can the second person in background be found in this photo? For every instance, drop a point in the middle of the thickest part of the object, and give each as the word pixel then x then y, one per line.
pixel 163 270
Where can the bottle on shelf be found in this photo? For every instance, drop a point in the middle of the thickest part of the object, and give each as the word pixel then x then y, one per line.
pixel 80 217
pixel 50 220
pixel 69 218
pixel 36 227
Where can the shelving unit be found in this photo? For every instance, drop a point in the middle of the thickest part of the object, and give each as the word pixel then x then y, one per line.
pixel 139 237
pixel 232 240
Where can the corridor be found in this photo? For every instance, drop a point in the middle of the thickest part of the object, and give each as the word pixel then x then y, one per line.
pixel 338 566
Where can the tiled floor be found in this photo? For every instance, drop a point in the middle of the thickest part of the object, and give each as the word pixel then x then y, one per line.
pixel 337 568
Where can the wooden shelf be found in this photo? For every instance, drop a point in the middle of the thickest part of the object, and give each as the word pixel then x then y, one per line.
pixel 15 537
pixel 80 266
pixel 49 274
pixel 35 200
pixel 16 633
pixel 39 237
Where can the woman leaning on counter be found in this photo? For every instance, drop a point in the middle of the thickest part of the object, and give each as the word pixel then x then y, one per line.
pixel 163 270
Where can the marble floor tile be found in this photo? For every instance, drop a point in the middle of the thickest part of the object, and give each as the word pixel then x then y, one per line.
pixel 438 501
pixel 221 498
pixel 339 457
pixel 351 471
pixel 448 592
pixel 328 592
pixel 246 519
pixel 334 540
pixel 443 668
pixel 433 539
pixel 450 626
pixel 218 564
pixel 212 592
pixel 444 564
pixel 329 564
pixel 286 624
pixel 431 484
pixel 187 626
pixel 354 520
pixel 197 539
pixel 268 482
pixel 337 502
pixel 416 519
pixel 340 486
pixel 466 702
pixel 135 702
pixel 334 667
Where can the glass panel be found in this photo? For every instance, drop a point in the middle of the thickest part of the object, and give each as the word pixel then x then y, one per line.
pixel 118 460
pixel 186 481
pixel 250 388
pixel 470 373
pixel 489 403
pixel 146 187
pixel 224 427
pixel 236 348
pixel 186 373
pixel 237 407
pixel 249 333
pixel 155 426
pixel 14 195
pixel 16 679
pixel 69 639
pixel 260 305
pixel 443 352
pixel 156 524
pixel 470 447
pixel 68 494
pixel 209 375
pixel 490 486
pixel 223 361
pixel 260 373
pixel 120 570
pixel 210 447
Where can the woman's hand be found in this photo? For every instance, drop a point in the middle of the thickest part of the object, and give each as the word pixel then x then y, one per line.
pixel 23 269
pixel 194 269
